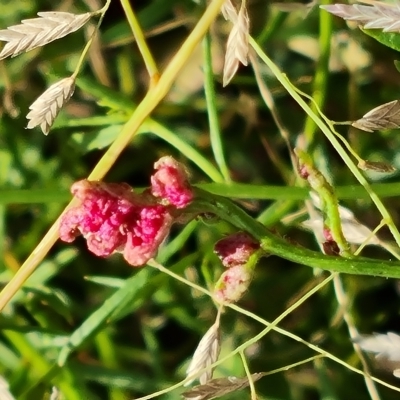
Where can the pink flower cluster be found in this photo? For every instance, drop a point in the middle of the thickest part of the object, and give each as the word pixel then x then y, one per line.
pixel 234 251
pixel 112 218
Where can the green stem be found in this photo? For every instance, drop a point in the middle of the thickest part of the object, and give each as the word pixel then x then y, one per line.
pixel 322 71
pixel 141 41
pixel 102 13
pixel 228 211
pixel 248 374
pixel 274 24
pixel 328 200
pixel 215 133
pixel 235 190
pixel 190 152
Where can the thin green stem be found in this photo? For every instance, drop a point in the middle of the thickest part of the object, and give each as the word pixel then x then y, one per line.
pixel 328 201
pixel 331 124
pixel 156 93
pixel 269 102
pixel 274 24
pixel 234 189
pixel 190 152
pixel 248 374
pixel 344 302
pixel 141 41
pixel 322 71
pixel 215 133
pixel 82 57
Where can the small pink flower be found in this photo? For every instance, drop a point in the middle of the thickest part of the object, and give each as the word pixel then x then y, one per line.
pixel 236 249
pixel 171 183
pixel 114 219
pixel 232 284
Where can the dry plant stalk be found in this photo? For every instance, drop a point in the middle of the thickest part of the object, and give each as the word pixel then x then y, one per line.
pixel 46 107
pixel 36 32
pixel 237 47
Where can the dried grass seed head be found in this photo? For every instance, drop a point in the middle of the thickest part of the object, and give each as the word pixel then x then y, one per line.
pixel 219 387
pixel 46 107
pixel 37 32
pixel 377 16
pixel 237 47
pixel 376 166
pixel 206 353
pixel 385 116
pixel 229 12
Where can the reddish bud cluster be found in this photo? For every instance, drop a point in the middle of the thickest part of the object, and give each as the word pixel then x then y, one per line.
pixel 170 183
pixel 234 251
pixel 112 218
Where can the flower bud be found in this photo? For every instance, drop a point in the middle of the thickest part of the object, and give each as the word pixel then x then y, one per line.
pixel 170 183
pixel 232 284
pixel 235 252
pixel 236 249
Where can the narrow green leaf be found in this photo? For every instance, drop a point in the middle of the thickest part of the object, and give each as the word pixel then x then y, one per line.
pixel 98 319
pixel 389 39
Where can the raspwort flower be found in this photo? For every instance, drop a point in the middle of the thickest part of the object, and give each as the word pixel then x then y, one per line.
pixel 114 219
pixel 170 182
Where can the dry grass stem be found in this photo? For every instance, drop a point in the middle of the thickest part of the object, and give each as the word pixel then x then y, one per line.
pixel 36 32
pixel 46 107
pixel 207 353
pixel 237 48
pixel 378 16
